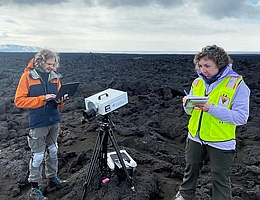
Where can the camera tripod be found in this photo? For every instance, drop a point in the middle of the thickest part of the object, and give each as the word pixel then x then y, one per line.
pixel 99 156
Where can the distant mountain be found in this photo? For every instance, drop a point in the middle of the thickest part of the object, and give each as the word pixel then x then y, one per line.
pixel 18 48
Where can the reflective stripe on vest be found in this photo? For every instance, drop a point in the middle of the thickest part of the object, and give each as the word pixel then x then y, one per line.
pixel 206 126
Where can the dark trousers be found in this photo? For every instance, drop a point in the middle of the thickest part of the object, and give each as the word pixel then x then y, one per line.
pixel 220 162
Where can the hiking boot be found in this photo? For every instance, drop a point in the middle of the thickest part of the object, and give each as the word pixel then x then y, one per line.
pixel 178 196
pixel 57 183
pixel 36 194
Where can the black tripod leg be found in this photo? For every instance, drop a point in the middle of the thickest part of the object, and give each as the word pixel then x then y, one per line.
pixel 95 156
pixel 103 153
pixel 113 140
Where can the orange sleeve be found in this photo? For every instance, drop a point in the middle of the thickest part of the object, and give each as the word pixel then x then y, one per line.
pixel 22 100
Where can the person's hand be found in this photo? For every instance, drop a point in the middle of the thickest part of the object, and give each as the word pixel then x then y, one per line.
pixel 62 99
pixel 205 107
pixel 49 97
pixel 184 100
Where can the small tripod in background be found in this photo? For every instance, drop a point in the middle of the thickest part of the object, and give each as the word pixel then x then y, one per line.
pixel 99 156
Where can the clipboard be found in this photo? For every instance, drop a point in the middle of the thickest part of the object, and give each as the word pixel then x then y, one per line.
pixel 193 100
pixel 68 89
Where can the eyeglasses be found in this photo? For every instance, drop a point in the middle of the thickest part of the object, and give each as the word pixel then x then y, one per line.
pixel 210 48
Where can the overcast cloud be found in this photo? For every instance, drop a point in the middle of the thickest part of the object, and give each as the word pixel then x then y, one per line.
pixel 131 25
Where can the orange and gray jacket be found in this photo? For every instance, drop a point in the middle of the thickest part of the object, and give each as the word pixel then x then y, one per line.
pixel 30 94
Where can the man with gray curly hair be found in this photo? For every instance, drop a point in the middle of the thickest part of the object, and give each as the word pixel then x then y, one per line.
pixel 36 92
pixel 212 125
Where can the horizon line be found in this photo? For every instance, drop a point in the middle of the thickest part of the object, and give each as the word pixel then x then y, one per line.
pixel 137 52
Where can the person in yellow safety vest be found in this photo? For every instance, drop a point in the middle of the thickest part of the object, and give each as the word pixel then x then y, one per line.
pixel 212 125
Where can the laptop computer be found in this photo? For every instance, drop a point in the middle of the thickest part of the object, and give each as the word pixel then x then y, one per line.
pixel 67 89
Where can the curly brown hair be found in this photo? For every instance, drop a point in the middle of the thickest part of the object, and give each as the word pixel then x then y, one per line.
pixel 214 53
pixel 43 55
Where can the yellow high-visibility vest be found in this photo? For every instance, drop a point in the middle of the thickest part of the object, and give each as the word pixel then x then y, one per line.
pixel 206 126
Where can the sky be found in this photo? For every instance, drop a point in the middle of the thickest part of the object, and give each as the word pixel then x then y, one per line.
pixel 131 25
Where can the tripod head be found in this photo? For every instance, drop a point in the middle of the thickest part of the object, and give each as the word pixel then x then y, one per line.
pixel 106 121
